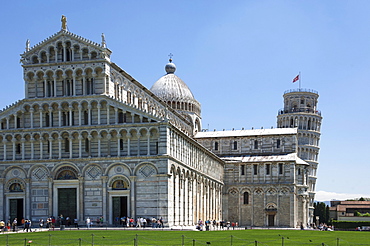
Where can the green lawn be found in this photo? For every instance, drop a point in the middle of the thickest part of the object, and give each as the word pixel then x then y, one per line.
pixel 141 237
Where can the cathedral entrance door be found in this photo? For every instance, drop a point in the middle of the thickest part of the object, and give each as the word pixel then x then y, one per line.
pixel 119 207
pixel 67 202
pixel 16 209
pixel 271 220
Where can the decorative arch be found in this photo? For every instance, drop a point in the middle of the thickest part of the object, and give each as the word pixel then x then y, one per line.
pixel 15 185
pixel 66 173
pixel 145 170
pixel 119 182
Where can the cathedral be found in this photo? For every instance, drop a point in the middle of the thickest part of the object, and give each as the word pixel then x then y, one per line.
pixel 89 141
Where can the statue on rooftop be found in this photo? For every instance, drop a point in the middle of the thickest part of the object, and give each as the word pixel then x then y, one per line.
pixel 103 43
pixel 27 45
pixel 64 22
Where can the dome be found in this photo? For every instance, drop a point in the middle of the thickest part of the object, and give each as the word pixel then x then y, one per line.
pixel 171 88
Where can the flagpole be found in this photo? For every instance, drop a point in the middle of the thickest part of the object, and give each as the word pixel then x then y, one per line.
pixel 299 80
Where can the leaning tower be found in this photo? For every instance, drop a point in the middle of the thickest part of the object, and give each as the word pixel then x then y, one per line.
pixel 300 111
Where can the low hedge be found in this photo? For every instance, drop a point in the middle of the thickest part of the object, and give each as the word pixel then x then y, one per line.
pixel 350 224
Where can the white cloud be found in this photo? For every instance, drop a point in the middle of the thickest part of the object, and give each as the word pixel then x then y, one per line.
pixel 328 196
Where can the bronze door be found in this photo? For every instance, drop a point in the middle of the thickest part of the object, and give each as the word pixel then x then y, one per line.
pixel 67 202
pixel 16 210
pixel 119 207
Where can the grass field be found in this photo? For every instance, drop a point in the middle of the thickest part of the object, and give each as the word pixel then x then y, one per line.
pixel 231 237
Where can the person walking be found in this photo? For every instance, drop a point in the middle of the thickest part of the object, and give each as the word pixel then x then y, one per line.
pixel 14 224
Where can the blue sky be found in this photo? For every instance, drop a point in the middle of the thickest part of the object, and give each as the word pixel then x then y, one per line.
pixel 237 57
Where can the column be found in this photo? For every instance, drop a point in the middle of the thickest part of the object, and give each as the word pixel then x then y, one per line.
pixel 22 141
pixel 45 86
pixel 119 144
pixel 89 113
pixel 73 54
pixel 74 84
pixel 89 137
pixel 4 147
pixel 116 115
pixel 27 202
pixel 186 201
pixel 13 141
pixel 55 85
pixel 80 146
pixel 50 195
pixel 50 148
pixel 109 137
pixel 83 83
pixel 128 144
pixel 31 116
pixel 41 146
pixel 108 120
pixel 64 52
pixel 99 151
pixel 70 147
pixel 15 120
pixel 70 116
pixel 35 81
pixel 59 116
pixel 99 107
pixel 79 114
pixel 148 143
pixel 32 140
pixel 80 198
pixel 2 204
pixel 60 139
pixel 138 143
pixel 40 118
pixel 132 196
pixel 50 117
pixel 104 180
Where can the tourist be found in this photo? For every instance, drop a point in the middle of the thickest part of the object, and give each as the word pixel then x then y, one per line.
pixel 2 225
pixel 14 224
pixel 88 222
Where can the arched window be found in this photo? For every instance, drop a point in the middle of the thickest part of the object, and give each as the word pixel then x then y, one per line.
pixel 255 169
pixel 268 168
pixel 66 145
pixel 120 117
pixel 87 145
pixel 216 145
pixel 245 198
pixel 86 118
pixel 242 169
pixel 280 168
pixel 235 145
pixel 121 144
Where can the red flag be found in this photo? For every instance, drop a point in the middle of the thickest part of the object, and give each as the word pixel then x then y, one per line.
pixel 296 78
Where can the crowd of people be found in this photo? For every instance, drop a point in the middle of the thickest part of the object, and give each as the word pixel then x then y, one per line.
pixel 216 225
pixel 140 222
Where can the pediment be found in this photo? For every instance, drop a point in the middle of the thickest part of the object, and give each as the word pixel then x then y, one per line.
pixel 50 49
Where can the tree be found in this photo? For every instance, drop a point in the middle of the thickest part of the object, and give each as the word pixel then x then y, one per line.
pixel 321 210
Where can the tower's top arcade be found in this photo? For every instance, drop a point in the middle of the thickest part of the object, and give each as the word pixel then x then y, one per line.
pixel 300 101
